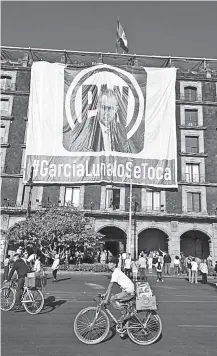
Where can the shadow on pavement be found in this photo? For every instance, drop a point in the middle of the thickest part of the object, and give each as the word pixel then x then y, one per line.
pixel 51 304
pixel 111 334
pixel 62 279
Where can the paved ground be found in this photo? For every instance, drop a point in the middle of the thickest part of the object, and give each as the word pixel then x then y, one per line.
pixel 188 314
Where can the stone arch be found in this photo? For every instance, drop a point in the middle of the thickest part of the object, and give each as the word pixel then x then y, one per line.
pixel 196 243
pixel 153 238
pixel 114 240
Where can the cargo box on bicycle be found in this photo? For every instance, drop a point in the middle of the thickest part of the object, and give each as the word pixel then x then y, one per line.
pixel 144 297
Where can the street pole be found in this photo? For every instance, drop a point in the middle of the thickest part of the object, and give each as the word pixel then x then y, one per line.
pixel 30 183
pixel 130 217
pixel 135 242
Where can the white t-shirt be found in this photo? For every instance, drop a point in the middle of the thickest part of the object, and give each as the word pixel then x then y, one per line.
pixel 142 262
pixel 194 266
pixel 127 263
pixel 176 262
pixel 122 280
pixel 37 266
pixel 124 255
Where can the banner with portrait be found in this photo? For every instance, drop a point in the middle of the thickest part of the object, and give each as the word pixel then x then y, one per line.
pixel 102 124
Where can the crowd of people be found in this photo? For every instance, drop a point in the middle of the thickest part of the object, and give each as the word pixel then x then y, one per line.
pixel 161 263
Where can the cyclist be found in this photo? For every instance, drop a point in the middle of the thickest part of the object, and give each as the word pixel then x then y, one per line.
pixel 22 269
pixel 124 282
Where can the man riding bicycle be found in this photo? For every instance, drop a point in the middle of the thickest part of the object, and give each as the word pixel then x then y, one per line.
pixel 127 286
pixel 22 269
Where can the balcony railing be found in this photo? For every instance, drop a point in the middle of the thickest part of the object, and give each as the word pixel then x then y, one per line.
pixel 192 149
pixel 189 98
pixel 8 87
pixel 193 178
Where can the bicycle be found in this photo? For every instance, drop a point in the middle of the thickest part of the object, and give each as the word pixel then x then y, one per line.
pixel 92 325
pixel 32 299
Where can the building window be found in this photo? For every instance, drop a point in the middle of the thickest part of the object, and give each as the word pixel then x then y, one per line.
pixel 192 144
pixel 191 117
pixel 194 202
pixel 2 134
pixel 113 198
pixel 190 93
pixel 192 172
pixel 6 82
pixel 4 106
pixel 153 200
pixel 72 196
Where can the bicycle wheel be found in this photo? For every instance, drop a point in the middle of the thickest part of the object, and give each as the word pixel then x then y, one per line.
pixel 8 297
pixel 91 328
pixel 144 335
pixel 33 301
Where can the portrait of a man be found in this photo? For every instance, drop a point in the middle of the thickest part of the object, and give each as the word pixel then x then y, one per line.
pixel 106 131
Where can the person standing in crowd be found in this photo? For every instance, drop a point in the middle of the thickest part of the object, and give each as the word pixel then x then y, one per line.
pixel 119 261
pixel 31 260
pixel 134 270
pixel 142 267
pixel 216 267
pixel 159 269
pixel 209 261
pixel 182 263
pixel 103 257
pixel 37 266
pixel 204 271
pixel 155 258
pixel 167 262
pixel 188 265
pixel 127 265
pixel 55 267
pixel 194 271
pixel 176 266
pixel 150 260
pixel 6 266
pixel 124 256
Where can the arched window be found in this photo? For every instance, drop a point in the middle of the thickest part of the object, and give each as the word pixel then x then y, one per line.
pixel 190 93
pixel 6 82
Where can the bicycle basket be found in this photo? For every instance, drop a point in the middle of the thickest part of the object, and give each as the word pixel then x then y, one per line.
pixel 30 282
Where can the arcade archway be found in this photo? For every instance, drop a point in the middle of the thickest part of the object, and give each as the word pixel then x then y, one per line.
pixel 152 240
pixel 195 243
pixel 114 239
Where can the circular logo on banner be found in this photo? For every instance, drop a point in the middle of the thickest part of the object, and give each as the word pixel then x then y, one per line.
pixel 89 85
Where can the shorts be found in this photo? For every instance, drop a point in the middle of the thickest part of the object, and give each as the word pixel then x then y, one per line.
pixel 120 297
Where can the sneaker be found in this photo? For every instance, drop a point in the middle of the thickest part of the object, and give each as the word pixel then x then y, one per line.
pixel 162 280
pixel 157 280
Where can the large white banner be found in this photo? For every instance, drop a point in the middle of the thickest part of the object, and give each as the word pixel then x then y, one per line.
pixel 102 123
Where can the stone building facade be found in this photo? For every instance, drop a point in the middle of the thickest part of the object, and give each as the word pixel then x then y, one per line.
pixel 183 220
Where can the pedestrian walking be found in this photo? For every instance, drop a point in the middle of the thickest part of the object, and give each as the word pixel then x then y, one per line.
pixel 159 269
pixel 188 265
pixel 127 265
pixel 194 271
pixel 204 271
pixel 182 263
pixel 167 262
pixel 134 267
pixel 216 267
pixel 55 267
pixel 176 266
pixel 6 266
pixel 142 267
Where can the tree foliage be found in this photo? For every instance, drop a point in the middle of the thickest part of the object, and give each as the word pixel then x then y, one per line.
pixel 56 229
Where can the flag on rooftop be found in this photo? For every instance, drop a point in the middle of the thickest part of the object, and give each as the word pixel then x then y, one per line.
pixel 121 37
